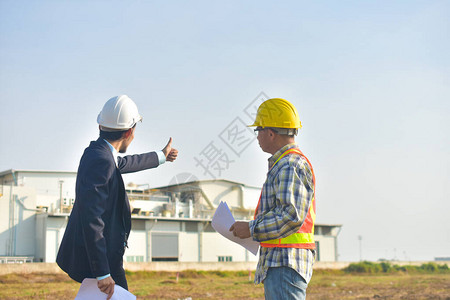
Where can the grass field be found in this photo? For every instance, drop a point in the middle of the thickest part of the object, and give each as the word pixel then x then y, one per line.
pixel 326 284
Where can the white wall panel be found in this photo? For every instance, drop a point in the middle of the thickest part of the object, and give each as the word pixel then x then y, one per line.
pixel 51 245
pixel 137 243
pixel 215 245
pixel 188 247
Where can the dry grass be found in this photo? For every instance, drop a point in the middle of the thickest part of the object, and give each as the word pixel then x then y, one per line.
pixel 236 285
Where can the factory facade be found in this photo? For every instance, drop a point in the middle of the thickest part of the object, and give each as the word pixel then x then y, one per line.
pixel 170 223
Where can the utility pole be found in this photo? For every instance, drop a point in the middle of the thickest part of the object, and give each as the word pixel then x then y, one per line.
pixel 60 196
pixel 360 247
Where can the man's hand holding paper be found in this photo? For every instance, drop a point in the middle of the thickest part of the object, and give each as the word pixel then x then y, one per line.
pixel 223 221
pixel 240 229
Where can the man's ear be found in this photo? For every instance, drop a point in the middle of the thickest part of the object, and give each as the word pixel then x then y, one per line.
pixel 127 133
pixel 271 133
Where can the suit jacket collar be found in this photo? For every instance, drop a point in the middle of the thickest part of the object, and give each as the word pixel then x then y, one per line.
pixel 101 143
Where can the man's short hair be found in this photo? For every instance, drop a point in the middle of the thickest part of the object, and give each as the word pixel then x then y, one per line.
pixel 113 135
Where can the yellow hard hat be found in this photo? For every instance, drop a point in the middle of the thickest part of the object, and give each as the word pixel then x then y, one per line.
pixel 278 113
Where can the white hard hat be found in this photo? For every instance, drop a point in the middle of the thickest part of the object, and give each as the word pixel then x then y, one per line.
pixel 118 113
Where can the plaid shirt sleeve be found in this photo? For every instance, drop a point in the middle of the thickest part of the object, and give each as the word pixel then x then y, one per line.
pixel 293 194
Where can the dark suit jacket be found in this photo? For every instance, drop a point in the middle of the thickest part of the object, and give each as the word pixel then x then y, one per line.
pixel 100 221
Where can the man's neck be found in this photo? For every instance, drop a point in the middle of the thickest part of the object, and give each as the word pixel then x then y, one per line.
pixel 280 144
pixel 115 144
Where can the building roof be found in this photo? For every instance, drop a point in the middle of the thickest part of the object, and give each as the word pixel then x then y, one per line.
pixel 203 181
pixel 10 171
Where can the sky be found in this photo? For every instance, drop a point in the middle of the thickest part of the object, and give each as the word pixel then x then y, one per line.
pixel 370 80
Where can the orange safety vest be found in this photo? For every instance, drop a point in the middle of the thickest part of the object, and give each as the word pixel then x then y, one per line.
pixel 304 237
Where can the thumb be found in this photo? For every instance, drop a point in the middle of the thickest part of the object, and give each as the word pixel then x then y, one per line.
pixel 169 143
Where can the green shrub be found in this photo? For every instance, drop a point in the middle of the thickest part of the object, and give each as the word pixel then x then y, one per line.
pixel 386 267
pixel 429 267
pixel 364 267
pixel 406 269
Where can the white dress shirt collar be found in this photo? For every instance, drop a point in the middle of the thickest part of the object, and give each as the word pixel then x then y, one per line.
pixel 113 150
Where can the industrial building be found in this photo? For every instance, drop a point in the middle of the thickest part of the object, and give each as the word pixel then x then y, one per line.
pixel 170 223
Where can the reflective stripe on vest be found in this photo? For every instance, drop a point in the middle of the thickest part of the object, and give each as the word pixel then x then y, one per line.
pixel 304 237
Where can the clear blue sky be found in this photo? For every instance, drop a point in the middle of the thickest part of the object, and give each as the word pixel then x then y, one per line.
pixel 370 80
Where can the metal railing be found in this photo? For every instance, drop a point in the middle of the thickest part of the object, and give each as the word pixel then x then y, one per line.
pixel 16 259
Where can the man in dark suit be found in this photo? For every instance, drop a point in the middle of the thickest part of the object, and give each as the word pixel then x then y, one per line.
pixel 100 222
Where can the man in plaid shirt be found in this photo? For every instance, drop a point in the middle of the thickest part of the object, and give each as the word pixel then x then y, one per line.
pixel 284 218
